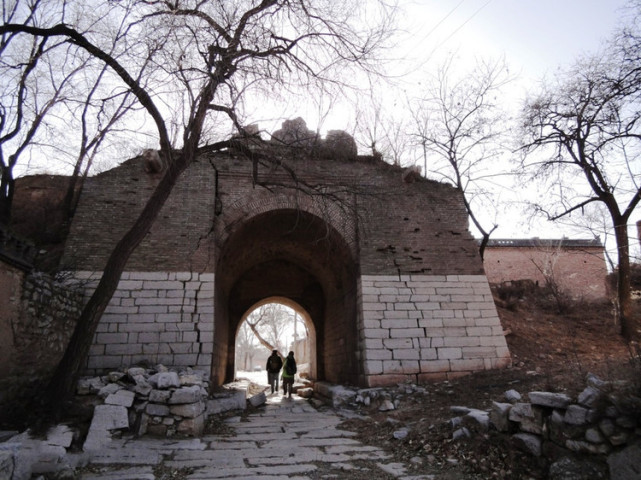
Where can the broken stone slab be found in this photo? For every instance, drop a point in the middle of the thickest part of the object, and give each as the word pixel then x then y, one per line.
pixel 227 401
pixel 549 399
pixel 528 443
pixel 105 419
pixel 192 426
pixel 499 416
pixel 190 394
pixel 109 389
pixel 258 399
pixel 337 395
pixel 582 446
pixel 124 398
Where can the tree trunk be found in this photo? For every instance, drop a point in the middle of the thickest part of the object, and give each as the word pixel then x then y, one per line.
pixel 625 318
pixel 66 374
pixel 7 183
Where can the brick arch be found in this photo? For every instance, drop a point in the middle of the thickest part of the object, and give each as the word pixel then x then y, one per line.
pixel 293 255
pixel 339 216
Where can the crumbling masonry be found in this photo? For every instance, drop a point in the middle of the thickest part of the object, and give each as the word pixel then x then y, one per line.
pixel 381 266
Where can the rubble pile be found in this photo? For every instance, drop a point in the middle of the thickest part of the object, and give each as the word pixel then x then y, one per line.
pixel 603 421
pixel 156 401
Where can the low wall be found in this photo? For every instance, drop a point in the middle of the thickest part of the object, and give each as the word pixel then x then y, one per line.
pixel 422 327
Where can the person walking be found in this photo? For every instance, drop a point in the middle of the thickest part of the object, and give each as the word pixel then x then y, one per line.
pixel 289 370
pixel 274 364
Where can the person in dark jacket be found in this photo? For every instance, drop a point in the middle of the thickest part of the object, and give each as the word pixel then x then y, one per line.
pixel 274 364
pixel 289 371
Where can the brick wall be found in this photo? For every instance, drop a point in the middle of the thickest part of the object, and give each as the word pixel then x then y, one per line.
pixel 580 270
pixel 368 224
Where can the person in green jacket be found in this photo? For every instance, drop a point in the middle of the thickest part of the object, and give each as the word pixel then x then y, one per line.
pixel 289 370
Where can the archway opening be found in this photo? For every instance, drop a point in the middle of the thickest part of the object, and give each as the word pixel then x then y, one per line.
pixel 275 324
pixel 307 265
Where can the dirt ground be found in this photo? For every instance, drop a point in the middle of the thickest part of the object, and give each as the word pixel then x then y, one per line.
pixel 550 352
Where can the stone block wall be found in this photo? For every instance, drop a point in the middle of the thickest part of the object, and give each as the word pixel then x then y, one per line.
pixel 425 327
pixel 154 317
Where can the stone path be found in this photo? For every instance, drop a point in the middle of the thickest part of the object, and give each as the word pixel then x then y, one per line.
pixel 285 439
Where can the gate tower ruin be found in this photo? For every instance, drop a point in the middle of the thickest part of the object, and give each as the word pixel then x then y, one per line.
pixel 378 259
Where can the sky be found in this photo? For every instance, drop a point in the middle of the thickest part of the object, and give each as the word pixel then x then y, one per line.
pixel 536 38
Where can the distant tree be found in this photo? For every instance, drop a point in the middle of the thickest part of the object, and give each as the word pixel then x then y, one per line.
pixel 582 139
pixel 269 323
pixel 246 347
pixel 459 127
pixel 210 56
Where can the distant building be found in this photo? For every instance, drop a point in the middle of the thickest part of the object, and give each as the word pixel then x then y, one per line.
pixel 578 266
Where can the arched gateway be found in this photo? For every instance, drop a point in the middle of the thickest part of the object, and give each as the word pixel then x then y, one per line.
pixel 382 263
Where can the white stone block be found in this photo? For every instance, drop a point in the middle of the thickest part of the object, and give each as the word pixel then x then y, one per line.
pixel 428 354
pixel 446 353
pixel 400 323
pixel 375 333
pixel 406 354
pixel 406 332
pixel 379 354
pixel 394 343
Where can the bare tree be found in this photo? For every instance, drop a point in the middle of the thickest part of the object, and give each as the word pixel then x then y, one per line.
pixel 458 127
pixel 581 138
pixel 245 347
pixel 211 56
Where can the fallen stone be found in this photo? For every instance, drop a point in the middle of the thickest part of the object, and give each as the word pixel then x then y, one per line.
pixel 477 420
pixel 528 443
pixel 258 400
pixel 190 410
pixel 548 399
pixel 512 396
pixel 401 434
pixel 306 392
pixel 157 409
pixel 461 433
pixel 499 416
pixel 189 394
pixel 159 396
pixel 520 411
pixel 575 415
pixel 87 386
pixel 386 406
pixel 164 380
pixel 589 396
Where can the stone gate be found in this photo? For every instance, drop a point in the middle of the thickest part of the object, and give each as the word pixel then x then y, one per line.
pixel 378 261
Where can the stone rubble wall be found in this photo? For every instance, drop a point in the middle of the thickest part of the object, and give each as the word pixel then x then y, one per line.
pixel 603 422
pixel 40 327
pixel 154 401
pixel 154 318
pixel 422 328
